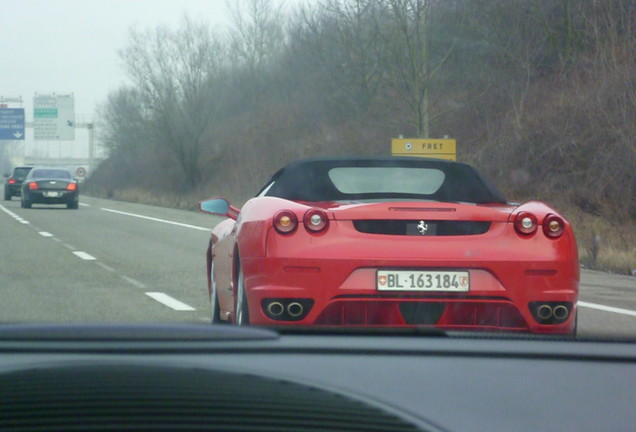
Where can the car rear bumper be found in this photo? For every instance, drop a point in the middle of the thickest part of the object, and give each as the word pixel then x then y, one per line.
pixel 13 189
pixel 65 197
pixel 503 295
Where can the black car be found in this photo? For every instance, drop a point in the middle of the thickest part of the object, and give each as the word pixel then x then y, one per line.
pixel 50 186
pixel 14 181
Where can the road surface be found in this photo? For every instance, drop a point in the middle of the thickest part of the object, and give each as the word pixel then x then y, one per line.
pixel 113 261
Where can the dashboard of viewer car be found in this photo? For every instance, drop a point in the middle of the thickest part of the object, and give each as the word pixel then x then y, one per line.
pixel 113 378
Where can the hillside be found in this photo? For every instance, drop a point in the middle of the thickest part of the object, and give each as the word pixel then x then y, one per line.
pixel 540 96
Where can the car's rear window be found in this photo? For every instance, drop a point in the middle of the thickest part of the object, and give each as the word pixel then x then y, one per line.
pixel 51 173
pixel 380 179
pixel 21 172
pixel 356 180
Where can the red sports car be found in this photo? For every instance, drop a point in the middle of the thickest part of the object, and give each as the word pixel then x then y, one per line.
pixel 388 241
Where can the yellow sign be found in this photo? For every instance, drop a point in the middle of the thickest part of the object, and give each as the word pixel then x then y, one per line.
pixel 432 148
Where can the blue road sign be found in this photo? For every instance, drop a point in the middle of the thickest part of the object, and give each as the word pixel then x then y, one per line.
pixel 11 123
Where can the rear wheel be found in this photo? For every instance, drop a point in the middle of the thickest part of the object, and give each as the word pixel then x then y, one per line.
pixel 242 315
pixel 7 194
pixel 214 300
pixel 72 205
pixel 25 203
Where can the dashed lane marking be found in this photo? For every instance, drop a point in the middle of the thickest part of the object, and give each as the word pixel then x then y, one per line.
pixel 105 267
pixel 133 282
pixel 84 256
pixel 169 301
pixel 160 297
pixel 14 215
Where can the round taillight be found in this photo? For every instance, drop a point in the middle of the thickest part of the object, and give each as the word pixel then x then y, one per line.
pixel 33 186
pixel 553 226
pixel 315 220
pixel 285 222
pixel 526 223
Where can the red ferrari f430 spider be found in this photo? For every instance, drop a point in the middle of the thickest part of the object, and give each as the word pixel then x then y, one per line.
pixel 387 241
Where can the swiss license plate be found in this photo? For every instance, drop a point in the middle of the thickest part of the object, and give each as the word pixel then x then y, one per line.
pixel 406 280
pixel 52 194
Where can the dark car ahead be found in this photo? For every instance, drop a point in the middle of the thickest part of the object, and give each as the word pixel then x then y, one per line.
pixel 50 186
pixel 14 181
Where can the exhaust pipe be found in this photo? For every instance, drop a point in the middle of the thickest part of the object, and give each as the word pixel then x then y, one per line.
pixel 544 312
pixel 560 312
pixel 295 309
pixel 275 309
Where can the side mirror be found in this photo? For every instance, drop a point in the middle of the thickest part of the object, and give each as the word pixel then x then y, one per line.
pixel 219 207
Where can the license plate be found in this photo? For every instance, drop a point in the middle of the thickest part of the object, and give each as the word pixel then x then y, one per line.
pixel 52 194
pixel 406 280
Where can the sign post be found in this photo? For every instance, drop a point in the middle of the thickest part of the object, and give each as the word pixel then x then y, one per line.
pixel 431 148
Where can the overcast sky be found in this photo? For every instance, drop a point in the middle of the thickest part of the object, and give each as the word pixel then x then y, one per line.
pixel 71 46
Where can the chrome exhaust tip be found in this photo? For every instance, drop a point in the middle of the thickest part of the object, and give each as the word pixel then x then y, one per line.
pixel 544 312
pixel 275 309
pixel 560 312
pixel 295 309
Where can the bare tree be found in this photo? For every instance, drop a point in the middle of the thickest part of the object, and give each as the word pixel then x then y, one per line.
pixel 174 73
pixel 344 38
pixel 410 68
pixel 256 41
pixel 122 123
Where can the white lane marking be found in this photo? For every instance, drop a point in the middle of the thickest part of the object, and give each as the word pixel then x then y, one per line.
pixel 104 266
pixel 45 234
pixel 84 205
pixel 84 256
pixel 133 281
pixel 156 219
pixel 13 215
pixel 169 301
pixel 607 308
pixel 7 211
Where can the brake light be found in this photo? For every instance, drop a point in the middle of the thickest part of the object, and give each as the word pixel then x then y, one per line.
pixel 315 220
pixel 71 187
pixel 553 226
pixel 285 222
pixel 11 180
pixel 526 223
pixel 33 186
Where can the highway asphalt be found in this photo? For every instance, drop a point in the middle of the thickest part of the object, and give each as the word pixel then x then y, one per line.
pixel 112 261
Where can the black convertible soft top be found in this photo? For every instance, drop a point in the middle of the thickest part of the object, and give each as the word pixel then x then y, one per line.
pixel 311 180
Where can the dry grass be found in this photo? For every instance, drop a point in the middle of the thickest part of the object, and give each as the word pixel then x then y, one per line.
pixel 189 201
pixel 603 244
pixel 142 196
